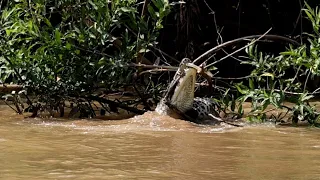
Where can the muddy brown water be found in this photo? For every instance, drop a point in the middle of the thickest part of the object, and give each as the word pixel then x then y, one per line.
pixel 153 147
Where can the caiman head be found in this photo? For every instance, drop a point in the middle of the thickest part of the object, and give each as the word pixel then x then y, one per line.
pixel 180 92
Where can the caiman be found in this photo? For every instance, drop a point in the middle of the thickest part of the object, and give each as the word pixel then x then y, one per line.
pixel 179 101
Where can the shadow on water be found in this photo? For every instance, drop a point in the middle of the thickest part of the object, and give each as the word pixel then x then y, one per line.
pixel 153 147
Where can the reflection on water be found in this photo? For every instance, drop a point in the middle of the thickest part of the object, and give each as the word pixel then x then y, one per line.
pixel 153 147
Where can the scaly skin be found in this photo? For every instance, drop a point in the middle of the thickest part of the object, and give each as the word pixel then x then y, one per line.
pixel 180 94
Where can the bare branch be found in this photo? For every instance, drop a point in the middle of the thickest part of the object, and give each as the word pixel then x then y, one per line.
pixel 201 58
pixel 254 41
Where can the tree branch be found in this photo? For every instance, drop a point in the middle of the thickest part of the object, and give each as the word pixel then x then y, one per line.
pixel 201 58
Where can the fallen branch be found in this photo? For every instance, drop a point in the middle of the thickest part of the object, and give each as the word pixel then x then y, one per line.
pixel 116 104
pixel 9 88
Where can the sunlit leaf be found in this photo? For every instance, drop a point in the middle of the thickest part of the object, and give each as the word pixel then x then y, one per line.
pixel 269 75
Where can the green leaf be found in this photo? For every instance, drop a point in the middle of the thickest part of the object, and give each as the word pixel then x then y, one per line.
pixel 233 104
pixel 212 68
pixel 301 109
pixel 240 110
pixel 305 97
pixel 268 74
pixel 309 15
pixel 251 84
pixel 152 12
pixel 265 104
pixel 242 89
pixel 58 36
pixel 143 50
pixel 48 23
pixel 68 46
pixel 158 3
pixel 127 9
pixel 91 35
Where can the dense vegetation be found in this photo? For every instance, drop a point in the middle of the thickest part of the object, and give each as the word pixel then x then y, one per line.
pixel 66 50
pixel 81 51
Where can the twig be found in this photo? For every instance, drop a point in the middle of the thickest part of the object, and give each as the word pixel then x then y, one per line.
pixel 292 93
pixel 215 22
pixel 15 102
pixel 305 83
pixel 93 51
pixel 104 107
pixel 115 104
pixel 221 120
pixel 145 7
pixel 237 59
pixel 200 59
pixel 300 17
pixel 288 109
pixel 156 70
pixel 142 98
pixel 163 53
pixel 254 41
pixel 232 78
pixel 316 91
pixel 93 113
pixel 152 66
pixel 10 106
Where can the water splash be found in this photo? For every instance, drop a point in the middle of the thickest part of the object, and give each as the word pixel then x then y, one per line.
pixel 162 108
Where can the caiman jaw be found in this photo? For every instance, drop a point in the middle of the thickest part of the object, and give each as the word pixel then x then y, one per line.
pixel 180 92
pixel 183 95
pixel 179 101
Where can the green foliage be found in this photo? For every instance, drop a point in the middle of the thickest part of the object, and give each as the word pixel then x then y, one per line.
pixel 229 105
pixel 72 47
pixel 271 86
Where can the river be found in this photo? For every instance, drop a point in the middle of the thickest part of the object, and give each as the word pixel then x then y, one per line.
pixel 153 147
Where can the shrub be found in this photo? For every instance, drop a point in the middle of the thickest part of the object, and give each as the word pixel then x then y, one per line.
pixel 68 48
